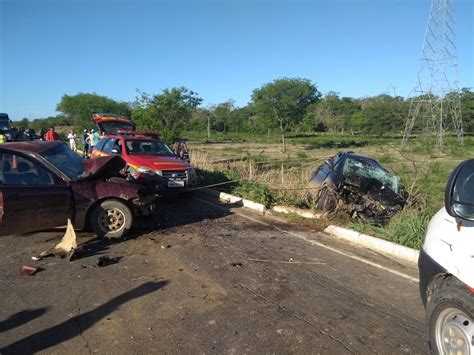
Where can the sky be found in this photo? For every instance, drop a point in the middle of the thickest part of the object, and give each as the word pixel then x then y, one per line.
pixel 221 49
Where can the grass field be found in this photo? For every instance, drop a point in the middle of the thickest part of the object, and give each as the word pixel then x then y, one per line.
pixel 271 177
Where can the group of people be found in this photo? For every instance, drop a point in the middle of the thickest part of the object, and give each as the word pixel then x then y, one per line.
pixel 89 141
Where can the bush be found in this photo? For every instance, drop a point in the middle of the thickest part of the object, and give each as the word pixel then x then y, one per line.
pixel 256 192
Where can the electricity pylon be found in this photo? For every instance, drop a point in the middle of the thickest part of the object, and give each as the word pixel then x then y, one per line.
pixel 436 98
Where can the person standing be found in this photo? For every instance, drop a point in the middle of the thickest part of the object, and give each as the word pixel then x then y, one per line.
pixel 72 141
pixel 51 135
pixel 85 144
pixel 3 139
pixel 92 141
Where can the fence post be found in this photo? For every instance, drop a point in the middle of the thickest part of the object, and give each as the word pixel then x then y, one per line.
pixel 282 174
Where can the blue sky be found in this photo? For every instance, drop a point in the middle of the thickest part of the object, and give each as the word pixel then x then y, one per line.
pixel 222 49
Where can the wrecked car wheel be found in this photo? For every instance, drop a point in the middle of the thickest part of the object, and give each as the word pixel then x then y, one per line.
pixel 325 200
pixel 111 219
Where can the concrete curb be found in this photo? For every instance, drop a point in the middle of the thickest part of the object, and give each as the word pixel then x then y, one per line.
pixel 234 199
pixel 373 243
pixel 299 211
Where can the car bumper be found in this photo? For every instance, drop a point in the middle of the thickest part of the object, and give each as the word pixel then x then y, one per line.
pixel 163 186
pixel 428 269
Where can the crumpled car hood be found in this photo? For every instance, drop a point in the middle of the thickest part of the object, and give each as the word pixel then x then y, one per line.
pixel 103 167
pixel 375 189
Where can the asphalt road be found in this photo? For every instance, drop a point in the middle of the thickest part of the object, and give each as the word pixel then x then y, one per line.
pixel 205 278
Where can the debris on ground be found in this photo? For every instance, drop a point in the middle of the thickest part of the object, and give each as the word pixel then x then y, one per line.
pixel 28 270
pixel 107 260
pixel 65 247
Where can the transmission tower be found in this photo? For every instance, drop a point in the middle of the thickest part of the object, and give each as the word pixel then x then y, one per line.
pixel 436 99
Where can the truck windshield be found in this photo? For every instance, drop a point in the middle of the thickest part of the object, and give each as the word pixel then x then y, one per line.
pixel 65 160
pixel 148 147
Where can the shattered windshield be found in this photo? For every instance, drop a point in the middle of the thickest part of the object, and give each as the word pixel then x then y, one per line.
pixel 372 170
pixel 145 147
pixel 65 160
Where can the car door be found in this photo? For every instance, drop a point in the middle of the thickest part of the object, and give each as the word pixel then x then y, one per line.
pixel 31 196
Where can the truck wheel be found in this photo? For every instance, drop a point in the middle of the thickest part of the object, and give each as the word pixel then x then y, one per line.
pixel 111 219
pixel 450 320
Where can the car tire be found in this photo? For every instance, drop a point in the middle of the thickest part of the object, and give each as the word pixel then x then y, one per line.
pixel 111 219
pixel 450 319
pixel 325 200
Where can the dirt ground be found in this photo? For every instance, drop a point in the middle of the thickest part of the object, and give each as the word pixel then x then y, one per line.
pixel 202 277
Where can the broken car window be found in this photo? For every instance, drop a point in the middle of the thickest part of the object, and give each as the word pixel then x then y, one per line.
pixel 66 161
pixel 16 170
pixel 372 170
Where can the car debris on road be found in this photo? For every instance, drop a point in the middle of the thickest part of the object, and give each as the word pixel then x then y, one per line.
pixel 358 185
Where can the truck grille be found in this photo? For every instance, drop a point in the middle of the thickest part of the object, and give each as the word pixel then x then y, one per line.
pixel 176 175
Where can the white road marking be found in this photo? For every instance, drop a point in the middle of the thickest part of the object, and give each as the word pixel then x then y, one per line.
pixel 313 242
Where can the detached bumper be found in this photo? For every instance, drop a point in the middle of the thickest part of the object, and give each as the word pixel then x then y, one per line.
pixel 428 269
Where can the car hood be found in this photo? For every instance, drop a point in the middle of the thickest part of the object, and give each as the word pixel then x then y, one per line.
pixel 103 167
pixel 158 162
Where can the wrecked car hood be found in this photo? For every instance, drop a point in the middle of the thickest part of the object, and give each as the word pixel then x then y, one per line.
pixel 103 167
pixel 374 188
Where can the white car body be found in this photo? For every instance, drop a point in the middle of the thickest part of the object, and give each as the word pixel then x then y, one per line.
pixel 450 246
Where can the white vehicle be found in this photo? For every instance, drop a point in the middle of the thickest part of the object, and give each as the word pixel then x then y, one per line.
pixel 446 266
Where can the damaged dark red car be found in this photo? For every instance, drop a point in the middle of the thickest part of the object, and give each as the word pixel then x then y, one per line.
pixel 42 184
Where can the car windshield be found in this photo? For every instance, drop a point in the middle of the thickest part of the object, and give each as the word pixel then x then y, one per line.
pixel 111 127
pixel 148 147
pixel 372 170
pixel 65 160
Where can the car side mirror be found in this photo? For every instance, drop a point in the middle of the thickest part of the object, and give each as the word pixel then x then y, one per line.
pixel 459 197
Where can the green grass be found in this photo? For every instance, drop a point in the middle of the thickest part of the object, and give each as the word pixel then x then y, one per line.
pixel 424 171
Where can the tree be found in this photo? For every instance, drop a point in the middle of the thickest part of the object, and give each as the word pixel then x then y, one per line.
pixel 222 115
pixel 384 114
pixel 23 123
pixel 79 108
pixel 467 110
pixel 283 102
pixel 168 112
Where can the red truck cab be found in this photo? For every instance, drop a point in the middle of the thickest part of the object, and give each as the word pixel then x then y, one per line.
pixel 149 160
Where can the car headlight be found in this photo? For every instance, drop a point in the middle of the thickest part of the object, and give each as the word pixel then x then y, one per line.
pixel 145 170
pixel 159 172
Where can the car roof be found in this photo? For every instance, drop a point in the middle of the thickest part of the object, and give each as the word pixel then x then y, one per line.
pixel 357 157
pixel 31 146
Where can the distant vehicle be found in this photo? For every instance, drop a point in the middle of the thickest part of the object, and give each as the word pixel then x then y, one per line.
pixel 446 266
pixel 357 184
pixel 150 161
pixel 42 184
pixel 6 125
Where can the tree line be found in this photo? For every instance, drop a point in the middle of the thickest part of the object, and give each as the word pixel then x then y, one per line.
pixel 285 104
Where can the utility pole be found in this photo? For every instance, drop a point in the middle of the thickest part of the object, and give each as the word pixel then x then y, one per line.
pixel 209 127
pixel 436 98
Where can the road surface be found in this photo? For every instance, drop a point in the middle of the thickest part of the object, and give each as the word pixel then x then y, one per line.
pixel 205 277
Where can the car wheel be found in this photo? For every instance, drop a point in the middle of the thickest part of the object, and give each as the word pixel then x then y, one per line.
pixel 111 219
pixel 325 200
pixel 450 320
